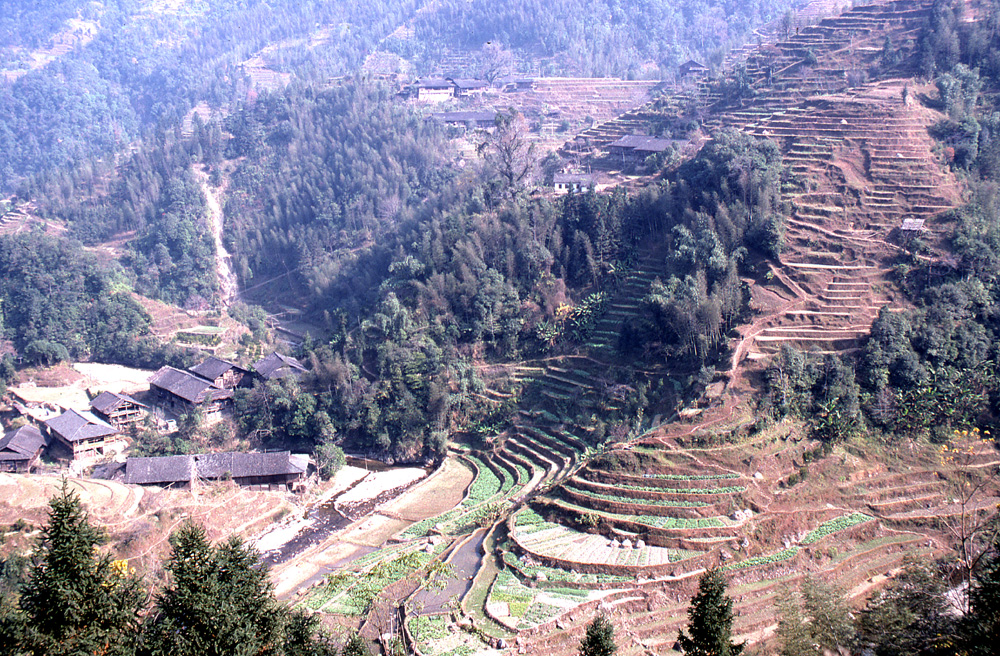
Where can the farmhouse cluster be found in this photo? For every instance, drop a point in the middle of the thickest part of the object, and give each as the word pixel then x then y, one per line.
pixel 101 432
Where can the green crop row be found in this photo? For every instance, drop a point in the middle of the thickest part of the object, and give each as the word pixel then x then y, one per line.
pixel 508 480
pixel 423 527
pixel 429 627
pixel 555 574
pixel 461 650
pixel 656 521
pixel 198 338
pixel 834 525
pixel 539 613
pixel 528 521
pixel 634 501
pixel 486 484
pixel 693 477
pixel 686 490
pixel 676 522
pixel 784 554
pixel 507 589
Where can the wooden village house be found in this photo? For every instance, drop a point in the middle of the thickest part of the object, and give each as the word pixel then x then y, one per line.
pixel 222 373
pixel 435 90
pixel 276 366
pixel 635 148
pixel 274 470
pixel 119 410
pixel 85 435
pixel 692 68
pixel 181 392
pixel 483 120
pixel 469 87
pixel 21 448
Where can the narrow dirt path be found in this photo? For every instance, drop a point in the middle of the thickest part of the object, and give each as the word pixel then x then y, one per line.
pixel 228 285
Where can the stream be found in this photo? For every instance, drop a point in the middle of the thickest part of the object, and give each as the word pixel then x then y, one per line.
pixel 292 537
pixel 228 286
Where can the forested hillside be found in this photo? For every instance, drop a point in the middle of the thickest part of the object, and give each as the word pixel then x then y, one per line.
pixel 606 38
pixel 147 67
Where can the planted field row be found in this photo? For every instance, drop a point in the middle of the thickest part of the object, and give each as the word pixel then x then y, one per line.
pixel 486 484
pixel 692 477
pixel 733 489
pixel 556 575
pixel 834 525
pixel 669 503
pixel 655 521
pixel 346 593
pixel 424 527
pixel 521 607
pixel 823 530
pixel 434 637
pixel 768 559
pixel 528 521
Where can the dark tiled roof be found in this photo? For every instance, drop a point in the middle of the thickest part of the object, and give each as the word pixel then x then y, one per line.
pixel 241 465
pixel 692 65
pixel 177 469
pixel 164 469
pixel 73 426
pixel 106 402
pixel 276 365
pixel 213 367
pixel 435 84
pixel 642 142
pixel 465 83
pixel 187 386
pixel 572 178
pixel 21 444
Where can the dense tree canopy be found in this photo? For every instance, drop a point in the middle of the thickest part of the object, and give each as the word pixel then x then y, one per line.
pixel 608 38
pixel 59 301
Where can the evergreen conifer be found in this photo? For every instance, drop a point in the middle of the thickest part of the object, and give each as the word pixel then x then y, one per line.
pixel 76 601
pixel 599 639
pixel 710 620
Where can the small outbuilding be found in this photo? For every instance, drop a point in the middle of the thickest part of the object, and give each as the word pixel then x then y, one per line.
pixel 21 448
pixel 221 373
pixel 693 68
pixel 119 410
pixel 277 365
pixel 475 119
pixel 571 183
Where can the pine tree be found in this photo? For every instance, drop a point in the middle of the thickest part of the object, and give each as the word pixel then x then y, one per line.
pixel 710 620
pixel 218 603
pixel 75 601
pixel 600 638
